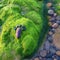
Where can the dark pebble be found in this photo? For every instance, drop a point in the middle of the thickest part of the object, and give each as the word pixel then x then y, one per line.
pixel 50 39
pixel 58 21
pixel 49 59
pixel 52 30
pixel 49 55
pixel 52 50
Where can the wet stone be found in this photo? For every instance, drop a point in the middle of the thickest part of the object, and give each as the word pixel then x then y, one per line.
pixel 58 17
pixel 47 45
pixel 49 23
pixel 52 30
pixel 36 58
pixel 58 21
pixel 56 38
pixel 49 59
pixel 52 19
pixel 58 53
pixel 55 14
pixel 50 39
pixel 55 25
pixel 43 53
pixel 49 4
pixel 50 12
pixel 49 55
pixel 53 50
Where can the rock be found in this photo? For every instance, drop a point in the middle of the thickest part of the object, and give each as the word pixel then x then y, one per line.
pixel 56 38
pixel 49 55
pixel 49 4
pixel 50 33
pixel 49 59
pixel 55 14
pixel 52 30
pixel 55 25
pixel 49 23
pixel 50 12
pixel 55 57
pixel 52 50
pixel 50 39
pixel 47 45
pixel 52 19
pixel 43 53
pixel 58 17
pixel 18 32
pixel 58 21
pixel 58 53
pixel 36 58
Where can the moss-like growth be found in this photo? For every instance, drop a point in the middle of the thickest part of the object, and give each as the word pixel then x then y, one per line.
pixel 26 13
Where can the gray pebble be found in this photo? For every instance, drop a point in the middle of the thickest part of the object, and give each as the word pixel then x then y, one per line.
pixel 47 45
pixel 50 11
pixel 43 53
pixel 58 17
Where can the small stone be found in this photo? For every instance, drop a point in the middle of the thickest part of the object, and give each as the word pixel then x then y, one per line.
pixel 58 17
pixel 50 39
pixel 49 55
pixel 55 57
pixel 36 58
pixel 58 53
pixel 49 4
pixel 53 19
pixel 49 59
pixel 43 53
pixel 52 50
pixel 55 14
pixel 50 12
pixel 18 32
pixel 56 38
pixel 50 24
pixel 58 22
pixel 47 45
pixel 55 25
pixel 52 30
pixel 50 33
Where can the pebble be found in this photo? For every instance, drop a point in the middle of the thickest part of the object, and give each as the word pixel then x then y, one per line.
pixel 55 14
pixel 18 32
pixel 36 58
pixel 49 4
pixel 50 39
pixel 50 33
pixel 52 50
pixel 58 53
pixel 56 38
pixel 43 53
pixel 47 45
pixel 55 25
pixel 58 21
pixel 52 19
pixel 49 23
pixel 49 59
pixel 50 12
pixel 58 17
pixel 49 55
pixel 52 30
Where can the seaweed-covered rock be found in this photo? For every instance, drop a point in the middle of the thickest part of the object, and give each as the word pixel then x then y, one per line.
pixel 26 13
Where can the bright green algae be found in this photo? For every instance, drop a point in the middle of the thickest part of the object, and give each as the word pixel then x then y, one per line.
pixel 21 12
